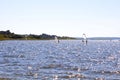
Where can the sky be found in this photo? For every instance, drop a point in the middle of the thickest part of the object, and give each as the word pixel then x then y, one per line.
pixel 95 18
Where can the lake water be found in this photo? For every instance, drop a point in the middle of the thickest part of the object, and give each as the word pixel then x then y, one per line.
pixel 67 60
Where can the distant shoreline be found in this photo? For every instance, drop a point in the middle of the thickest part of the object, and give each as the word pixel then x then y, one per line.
pixel 7 35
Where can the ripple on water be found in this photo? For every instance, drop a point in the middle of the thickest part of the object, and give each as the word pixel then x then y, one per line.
pixel 67 60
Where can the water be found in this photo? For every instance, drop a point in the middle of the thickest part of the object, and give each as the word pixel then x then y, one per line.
pixel 67 60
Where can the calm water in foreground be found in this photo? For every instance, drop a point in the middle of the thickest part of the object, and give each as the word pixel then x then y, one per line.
pixel 67 60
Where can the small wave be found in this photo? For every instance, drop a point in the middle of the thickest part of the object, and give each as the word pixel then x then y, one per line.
pixel 72 76
pixel 52 66
pixel 107 72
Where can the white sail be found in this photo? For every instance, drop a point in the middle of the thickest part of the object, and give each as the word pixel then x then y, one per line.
pixel 26 37
pixel 84 37
pixel 84 40
pixel 56 39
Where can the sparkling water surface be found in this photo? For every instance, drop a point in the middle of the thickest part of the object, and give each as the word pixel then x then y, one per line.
pixel 67 60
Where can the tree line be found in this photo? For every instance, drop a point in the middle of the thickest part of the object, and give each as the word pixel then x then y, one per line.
pixel 8 35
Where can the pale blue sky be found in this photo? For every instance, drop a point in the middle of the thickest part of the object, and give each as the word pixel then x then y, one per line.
pixel 61 17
